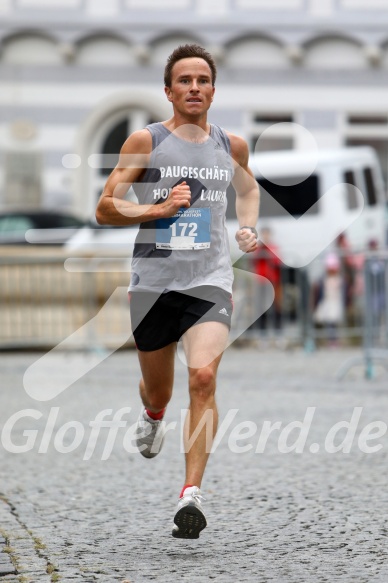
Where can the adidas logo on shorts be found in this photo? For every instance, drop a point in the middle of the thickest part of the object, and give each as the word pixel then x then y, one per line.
pixel 223 311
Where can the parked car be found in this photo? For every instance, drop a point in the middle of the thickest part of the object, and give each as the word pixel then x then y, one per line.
pixel 37 227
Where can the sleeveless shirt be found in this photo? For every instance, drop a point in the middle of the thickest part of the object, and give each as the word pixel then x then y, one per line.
pixel 192 248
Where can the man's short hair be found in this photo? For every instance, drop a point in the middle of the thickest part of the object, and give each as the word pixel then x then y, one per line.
pixel 185 52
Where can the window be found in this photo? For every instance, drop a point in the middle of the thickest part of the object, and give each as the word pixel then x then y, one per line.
pixel 162 48
pixel 257 53
pixel 103 50
pixel 379 144
pixel 270 132
pixel 296 199
pixel 113 142
pixel 263 144
pixel 351 194
pixel 30 49
pixel 269 119
pixel 56 221
pixel 112 145
pixel 370 187
pixel 370 129
pixel 334 53
pixel 15 224
pixel 108 142
pixel 23 178
pixel 367 120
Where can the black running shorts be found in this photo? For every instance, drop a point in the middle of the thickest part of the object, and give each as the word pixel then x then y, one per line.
pixel 160 319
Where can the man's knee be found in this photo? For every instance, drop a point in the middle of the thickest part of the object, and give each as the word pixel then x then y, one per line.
pixel 202 382
pixel 157 402
pixel 157 398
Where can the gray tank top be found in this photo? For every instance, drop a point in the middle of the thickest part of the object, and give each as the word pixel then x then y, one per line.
pixel 191 248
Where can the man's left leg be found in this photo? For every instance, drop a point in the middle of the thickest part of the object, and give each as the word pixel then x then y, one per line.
pixel 204 345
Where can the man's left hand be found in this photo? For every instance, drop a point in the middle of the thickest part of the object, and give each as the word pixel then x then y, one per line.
pixel 246 240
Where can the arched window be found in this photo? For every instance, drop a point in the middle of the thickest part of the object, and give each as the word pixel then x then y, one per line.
pixel 30 49
pixel 334 53
pixel 104 50
pixel 162 48
pixel 112 143
pixel 108 143
pixel 261 53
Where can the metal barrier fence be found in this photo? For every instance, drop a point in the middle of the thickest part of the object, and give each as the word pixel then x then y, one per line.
pixel 318 305
pixel 375 329
pixel 341 299
pixel 48 298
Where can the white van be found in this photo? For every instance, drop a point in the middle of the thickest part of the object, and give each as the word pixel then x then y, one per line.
pixel 307 200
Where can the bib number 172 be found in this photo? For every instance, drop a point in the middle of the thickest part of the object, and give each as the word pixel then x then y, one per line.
pixel 184 229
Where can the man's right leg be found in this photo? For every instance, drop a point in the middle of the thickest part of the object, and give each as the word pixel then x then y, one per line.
pixel 157 367
pixel 151 316
pixel 155 391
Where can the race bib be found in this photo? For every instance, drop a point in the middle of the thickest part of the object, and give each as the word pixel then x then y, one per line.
pixel 188 229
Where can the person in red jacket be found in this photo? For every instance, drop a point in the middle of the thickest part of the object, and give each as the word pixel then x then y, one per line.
pixel 267 264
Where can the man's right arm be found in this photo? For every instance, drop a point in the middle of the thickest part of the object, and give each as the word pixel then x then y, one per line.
pixel 112 209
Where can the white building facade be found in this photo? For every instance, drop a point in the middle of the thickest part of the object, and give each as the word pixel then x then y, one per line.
pixel 77 76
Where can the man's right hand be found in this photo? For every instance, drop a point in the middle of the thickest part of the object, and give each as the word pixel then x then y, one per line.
pixel 180 196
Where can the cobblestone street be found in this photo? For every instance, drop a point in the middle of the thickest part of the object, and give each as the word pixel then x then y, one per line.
pixel 273 515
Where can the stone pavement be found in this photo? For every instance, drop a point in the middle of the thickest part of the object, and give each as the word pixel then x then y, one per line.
pixel 273 515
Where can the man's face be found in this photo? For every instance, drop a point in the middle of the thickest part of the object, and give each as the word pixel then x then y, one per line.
pixel 191 91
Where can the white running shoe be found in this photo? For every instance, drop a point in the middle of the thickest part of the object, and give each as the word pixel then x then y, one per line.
pixel 149 435
pixel 189 518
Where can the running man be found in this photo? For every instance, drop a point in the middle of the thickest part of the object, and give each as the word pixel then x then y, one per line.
pixel 181 278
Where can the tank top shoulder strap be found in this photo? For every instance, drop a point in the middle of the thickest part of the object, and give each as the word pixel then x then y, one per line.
pixel 221 137
pixel 158 133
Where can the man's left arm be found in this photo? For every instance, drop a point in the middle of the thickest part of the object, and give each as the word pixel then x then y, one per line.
pixel 247 196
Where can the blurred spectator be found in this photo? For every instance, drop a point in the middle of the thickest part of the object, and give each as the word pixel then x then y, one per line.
pixel 348 271
pixel 329 309
pixel 267 264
